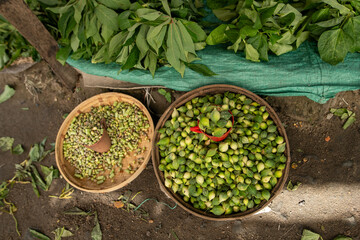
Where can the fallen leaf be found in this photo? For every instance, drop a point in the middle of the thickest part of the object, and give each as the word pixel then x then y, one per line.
pixel 327 139
pixel 6 143
pixel 6 94
pixel 293 187
pixel 340 237
pixel 77 211
pixel 309 235
pixel 96 233
pixel 38 235
pixel 17 149
pixel 118 204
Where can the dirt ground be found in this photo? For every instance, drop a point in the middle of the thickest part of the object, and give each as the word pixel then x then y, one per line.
pixel 327 202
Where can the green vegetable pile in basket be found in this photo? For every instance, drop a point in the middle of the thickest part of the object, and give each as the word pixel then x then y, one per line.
pixel 224 177
pixel 142 35
pixel 126 125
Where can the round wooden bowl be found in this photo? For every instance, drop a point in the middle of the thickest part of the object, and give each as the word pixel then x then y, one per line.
pixel 120 179
pixel 214 89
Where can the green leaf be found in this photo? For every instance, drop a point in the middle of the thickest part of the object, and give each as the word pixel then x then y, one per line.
pixel 251 53
pixel 77 211
pixel 38 179
pixel 96 233
pixel 6 143
pixel 330 23
pixel 341 237
pixel 148 14
pixel 334 3
pixel 116 44
pixel 63 54
pixel 280 49
pixel 349 121
pixel 79 6
pixel 17 149
pixel 62 232
pixel 320 15
pixel 33 184
pixel 186 39
pixel 333 46
pixel 106 33
pixel 162 91
pixel 63 21
pixel 38 235
pixel 132 59
pixel 287 38
pixel 34 153
pixel 166 7
pixel 141 42
pixel 107 17
pixel 301 37
pixel 123 20
pixel 308 235
pixel 168 97
pixel 352 28
pixel 247 31
pixel 7 93
pixel 152 63
pixel 201 68
pixel 225 14
pixel 174 51
pixel 195 31
pixel 155 36
pixel 116 4
pixel 217 35
pixel 49 174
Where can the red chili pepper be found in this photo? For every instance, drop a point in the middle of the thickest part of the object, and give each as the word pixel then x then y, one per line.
pixel 216 139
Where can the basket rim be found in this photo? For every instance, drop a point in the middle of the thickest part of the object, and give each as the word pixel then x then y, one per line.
pixel 75 112
pixel 213 89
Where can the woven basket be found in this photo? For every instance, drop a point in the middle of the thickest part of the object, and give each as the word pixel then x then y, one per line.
pixel 214 89
pixel 120 179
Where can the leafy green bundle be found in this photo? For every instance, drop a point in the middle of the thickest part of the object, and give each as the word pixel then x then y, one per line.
pixel 13 45
pixel 336 27
pixel 136 35
pixel 258 27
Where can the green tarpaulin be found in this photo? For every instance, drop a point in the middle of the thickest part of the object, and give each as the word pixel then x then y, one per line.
pixel 298 73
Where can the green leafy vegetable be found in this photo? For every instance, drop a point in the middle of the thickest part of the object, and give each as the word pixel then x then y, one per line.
pixel 8 91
